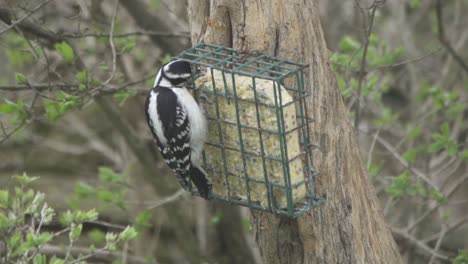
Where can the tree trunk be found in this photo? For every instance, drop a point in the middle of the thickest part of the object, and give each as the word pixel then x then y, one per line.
pixel 349 227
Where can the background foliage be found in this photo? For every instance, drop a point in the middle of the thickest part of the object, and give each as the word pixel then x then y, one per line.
pixel 71 112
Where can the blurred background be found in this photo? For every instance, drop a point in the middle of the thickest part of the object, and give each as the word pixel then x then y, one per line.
pixel 74 76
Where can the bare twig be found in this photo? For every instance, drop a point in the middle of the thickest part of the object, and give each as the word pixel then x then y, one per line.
pixel 111 42
pixel 403 162
pixel 102 255
pixel 407 61
pixel 392 65
pixel 69 86
pixel 442 234
pixel 124 86
pixel 450 228
pixel 7 135
pixel 457 184
pixel 148 21
pixel 34 10
pixel 108 225
pixel 443 38
pixel 125 35
pixel 371 149
pixel 362 71
pixel 404 234
pixel 168 199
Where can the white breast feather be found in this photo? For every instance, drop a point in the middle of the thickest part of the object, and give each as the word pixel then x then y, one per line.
pixel 156 123
pixel 197 123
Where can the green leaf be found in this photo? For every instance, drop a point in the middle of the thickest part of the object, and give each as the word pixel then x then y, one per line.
pixel 387 117
pixel 155 4
pixel 120 198
pixel 411 154
pixel 106 174
pixel 84 190
pixel 370 86
pixel 123 95
pixel 105 195
pixel 215 219
pixel 349 44
pixel 438 196
pixel 90 215
pixel 341 59
pixel 436 146
pixel 42 239
pixel 167 58
pixel 97 236
pixel 20 78
pixel 445 130
pixel 18 110
pixel 56 109
pixel 374 169
pixel 142 220
pixel 8 107
pixel 30 243
pixel 82 76
pixel 67 218
pixel 47 214
pixel 139 55
pixel 414 133
pixel 128 233
pixel 125 45
pixel 415 4
pixel 452 149
pixel 4 198
pixel 455 109
pixel 104 68
pixel 66 51
pixel 462 257
pixel 40 259
pixel 15 239
pixel 111 239
pixel 443 140
pixel 17 50
pixel 464 155
pixel 25 179
pixel 56 260
pixel 399 185
pixel 52 110
pixel 75 231
pixel 5 222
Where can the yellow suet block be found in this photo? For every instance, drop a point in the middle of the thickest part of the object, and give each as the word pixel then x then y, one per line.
pixel 252 136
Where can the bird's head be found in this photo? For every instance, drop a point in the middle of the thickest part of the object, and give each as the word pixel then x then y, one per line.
pixel 174 73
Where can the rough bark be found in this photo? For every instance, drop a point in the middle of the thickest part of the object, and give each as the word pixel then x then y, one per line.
pixel 350 227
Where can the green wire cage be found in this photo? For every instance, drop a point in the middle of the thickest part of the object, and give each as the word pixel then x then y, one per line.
pixel 258 151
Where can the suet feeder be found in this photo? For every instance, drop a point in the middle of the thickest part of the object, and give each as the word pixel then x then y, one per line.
pixel 258 150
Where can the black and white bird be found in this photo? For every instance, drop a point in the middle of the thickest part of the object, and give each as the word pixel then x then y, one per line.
pixel 178 124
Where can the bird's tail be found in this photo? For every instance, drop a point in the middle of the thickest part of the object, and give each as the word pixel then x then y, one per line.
pixel 200 180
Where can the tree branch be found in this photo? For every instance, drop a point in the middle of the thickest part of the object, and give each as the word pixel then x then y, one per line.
pixel 418 243
pixel 111 43
pixel 98 255
pixel 124 35
pixel 362 71
pixel 443 38
pixel 38 87
pixel 11 24
pixel 147 21
pixel 403 162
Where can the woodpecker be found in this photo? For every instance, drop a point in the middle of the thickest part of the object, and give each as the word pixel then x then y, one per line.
pixel 178 124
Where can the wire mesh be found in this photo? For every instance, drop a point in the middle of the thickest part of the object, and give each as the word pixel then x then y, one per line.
pixel 258 151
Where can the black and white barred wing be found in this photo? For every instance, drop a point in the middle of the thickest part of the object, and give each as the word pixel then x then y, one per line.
pixel 178 141
pixel 170 130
